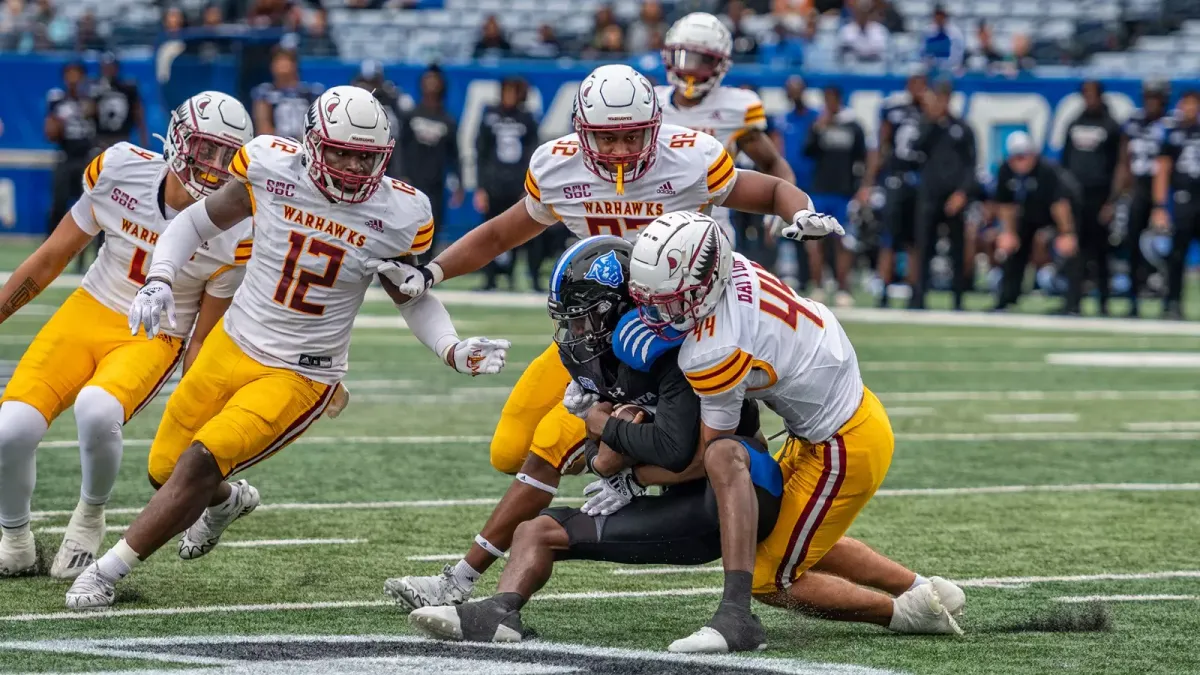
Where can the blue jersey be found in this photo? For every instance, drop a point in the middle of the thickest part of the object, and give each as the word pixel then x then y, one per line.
pixel 793 127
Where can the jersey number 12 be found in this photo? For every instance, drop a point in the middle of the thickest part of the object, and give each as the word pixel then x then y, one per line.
pixel 299 284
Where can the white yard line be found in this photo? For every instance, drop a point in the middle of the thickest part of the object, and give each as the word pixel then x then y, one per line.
pixel 1033 418
pixel 434 557
pixel 1040 395
pixel 111 529
pixel 1171 360
pixel 953 366
pixel 1124 598
pixel 265 543
pixel 1162 426
pixel 201 609
pixel 886 492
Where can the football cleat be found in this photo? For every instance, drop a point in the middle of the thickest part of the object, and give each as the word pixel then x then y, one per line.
pixel 745 634
pixel 92 589
pixel 920 611
pixel 79 547
pixel 18 556
pixel 204 535
pixel 480 621
pixel 434 591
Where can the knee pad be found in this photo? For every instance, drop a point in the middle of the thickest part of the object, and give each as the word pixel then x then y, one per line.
pixel 98 412
pixel 510 445
pixel 21 426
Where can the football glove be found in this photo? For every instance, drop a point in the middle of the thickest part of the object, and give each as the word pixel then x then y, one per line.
pixel 578 401
pixel 151 301
pixel 478 356
pixel 808 225
pixel 339 401
pixel 409 280
pixel 606 496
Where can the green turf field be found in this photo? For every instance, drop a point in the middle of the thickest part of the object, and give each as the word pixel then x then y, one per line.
pixel 1097 468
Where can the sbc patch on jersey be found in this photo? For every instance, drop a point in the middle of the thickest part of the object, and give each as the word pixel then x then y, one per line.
pixel 606 270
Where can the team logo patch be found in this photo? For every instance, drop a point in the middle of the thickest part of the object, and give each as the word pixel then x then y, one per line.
pixel 375 224
pixel 606 270
pixel 587 383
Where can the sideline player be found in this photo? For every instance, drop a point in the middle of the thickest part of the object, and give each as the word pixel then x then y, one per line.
pixel 696 54
pixel 84 355
pixel 750 336
pixel 621 169
pixel 326 218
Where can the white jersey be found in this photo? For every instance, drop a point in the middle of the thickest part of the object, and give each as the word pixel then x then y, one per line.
pixel 765 342
pixel 309 272
pixel 123 196
pixel 725 113
pixel 691 171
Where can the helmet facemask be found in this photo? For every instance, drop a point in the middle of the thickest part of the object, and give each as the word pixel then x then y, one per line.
pixel 618 167
pixel 584 331
pixel 346 171
pixel 672 314
pixel 694 71
pixel 200 161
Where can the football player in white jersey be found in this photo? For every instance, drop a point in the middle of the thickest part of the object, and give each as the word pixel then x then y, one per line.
pixel 747 335
pixel 326 219
pixel 84 355
pixel 621 169
pixel 696 53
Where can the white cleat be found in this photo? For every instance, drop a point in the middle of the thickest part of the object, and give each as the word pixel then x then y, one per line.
pixel 434 591
pixel 18 556
pixel 92 590
pixel 704 641
pixel 80 545
pixel 952 597
pixel 920 611
pixel 203 536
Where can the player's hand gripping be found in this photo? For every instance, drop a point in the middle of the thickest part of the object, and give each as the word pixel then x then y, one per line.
pixel 609 495
pixel 148 306
pixel 810 225
pixel 478 356
pixel 409 280
pixel 578 401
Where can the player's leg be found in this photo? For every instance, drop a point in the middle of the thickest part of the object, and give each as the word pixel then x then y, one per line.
pixel 126 379
pixel 853 560
pixel 557 447
pixel 56 365
pixel 536 393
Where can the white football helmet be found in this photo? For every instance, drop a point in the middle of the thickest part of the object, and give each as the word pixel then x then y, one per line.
pixel 203 135
pixel 347 144
pixel 696 54
pixel 612 100
pixel 679 270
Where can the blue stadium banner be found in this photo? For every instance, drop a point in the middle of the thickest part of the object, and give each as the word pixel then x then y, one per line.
pixel 994 106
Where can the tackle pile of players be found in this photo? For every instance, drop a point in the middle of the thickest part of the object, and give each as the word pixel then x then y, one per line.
pixel 247 258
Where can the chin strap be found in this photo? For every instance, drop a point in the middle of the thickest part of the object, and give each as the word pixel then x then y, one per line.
pixel 621 178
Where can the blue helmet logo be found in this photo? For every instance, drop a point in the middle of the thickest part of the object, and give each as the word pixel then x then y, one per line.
pixel 606 270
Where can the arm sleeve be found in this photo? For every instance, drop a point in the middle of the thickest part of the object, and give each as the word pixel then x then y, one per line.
pixel 721 379
pixel 671 440
pixel 225 282
pixel 429 321
pixel 179 241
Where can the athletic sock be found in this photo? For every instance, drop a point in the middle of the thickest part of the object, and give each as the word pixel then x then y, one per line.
pixel 119 561
pixel 738 585
pixel 18 532
pixel 509 601
pixel 919 581
pixel 464 575
pixel 88 512
pixel 224 507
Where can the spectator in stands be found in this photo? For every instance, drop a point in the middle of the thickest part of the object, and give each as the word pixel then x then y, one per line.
pixel 944 45
pixel 281 105
pixel 610 44
pixel 71 125
pixel 15 27
pixel 51 30
pixel 985 57
pixel 1090 153
pixel 650 19
pixel 862 40
pixel 268 13
pixel 1031 193
pixel 745 45
pixel 174 21
pixel 316 40
pixel 395 103
pixel 118 106
pixel 213 16
pixel 429 144
pixel 948 179
pixel 492 44
pixel 1021 62
pixel 837 146
pixel 87 35
pixel 547 45
pixel 783 48
pixel 602 20
pixel 885 12
pixel 508 135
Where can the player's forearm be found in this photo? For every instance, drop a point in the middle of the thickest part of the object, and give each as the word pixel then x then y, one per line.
pixel 430 323
pixel 1063 218
pixel 1008 217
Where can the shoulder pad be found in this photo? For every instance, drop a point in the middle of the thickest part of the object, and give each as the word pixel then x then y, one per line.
pixel 636 345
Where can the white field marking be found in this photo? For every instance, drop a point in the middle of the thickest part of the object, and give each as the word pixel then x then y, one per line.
pixel 377 321
pixel 1124 598
pixel 954 366
pixel 1033 418
pixel 983 582
pixel 901 411
pixel 313 440
pixel 1041 395
pixel 264 543
pixel 1125 359
pixel 1162 426
pixel 111 529
pixel 885 492
pixel 1055 436
pixel 434 557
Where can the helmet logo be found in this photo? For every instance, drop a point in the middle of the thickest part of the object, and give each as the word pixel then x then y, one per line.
pixel 672 261
pixel 606 270
pixel 332 105
pixel 201 106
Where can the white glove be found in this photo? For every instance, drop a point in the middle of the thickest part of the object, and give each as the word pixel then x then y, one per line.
pixel 148 306
pixel 409 280
pixel 339 401
pixel 577 401
pixel 606 496
pixel 811 225
pixel 478 356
